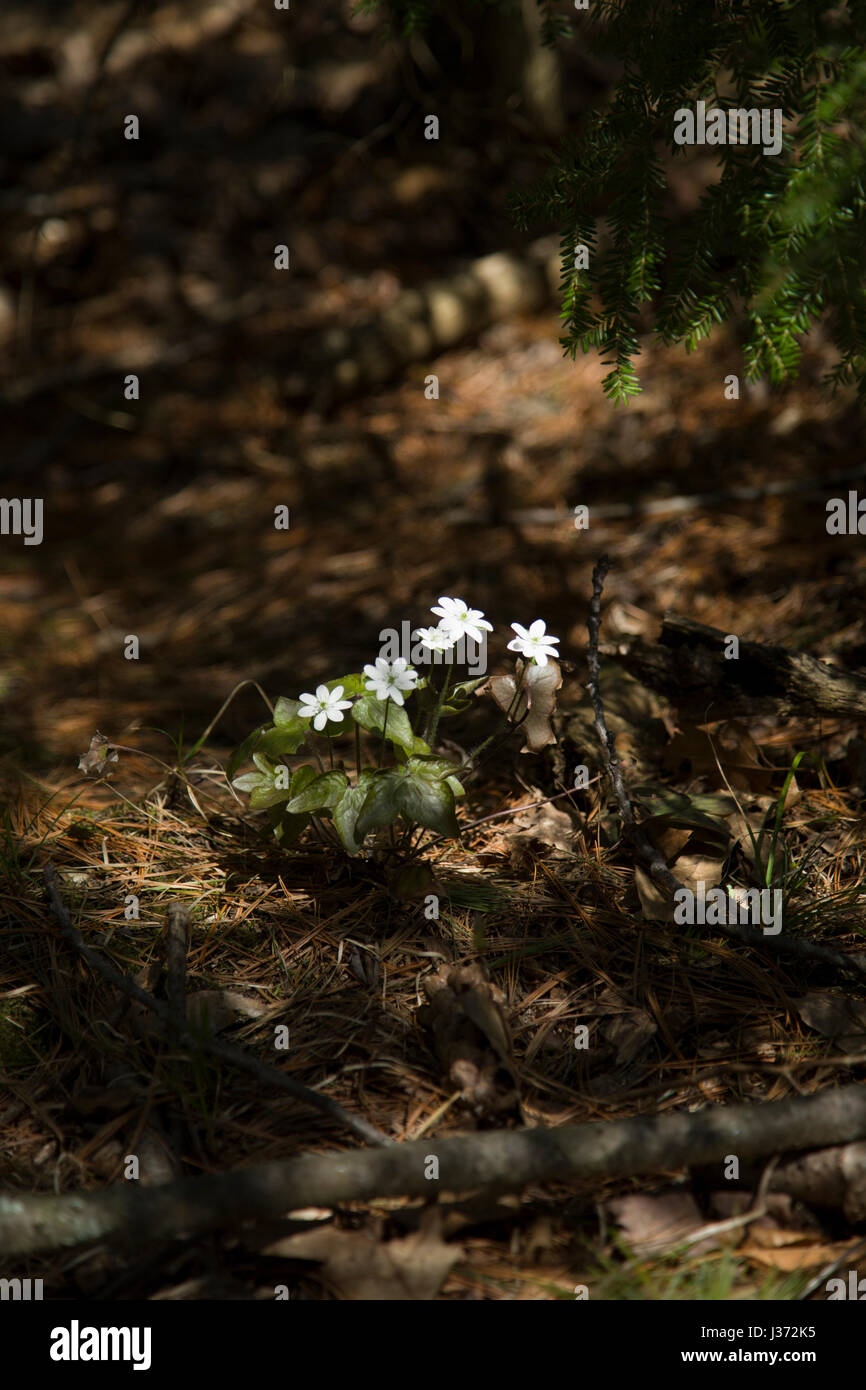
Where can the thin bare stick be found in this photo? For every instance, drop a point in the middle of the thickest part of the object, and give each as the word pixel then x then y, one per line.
pixel 177 946
pixel 528 806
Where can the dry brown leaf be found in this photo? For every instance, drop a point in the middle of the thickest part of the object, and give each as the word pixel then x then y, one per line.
pixel 629 1033
pixel 752 817
pixel 736 751
pixel 413 882
pixel 690 869
pixel 835 1016
pixel 669 840
pixel 547 824
pixel 656 907
pixel 413 1267
pixel 216 1009
pixel 466 1015
pixel 100 752
pixel 789 1258
pixel 627 620
pixel 654 1222
pixel 538 695
pixel 770 1236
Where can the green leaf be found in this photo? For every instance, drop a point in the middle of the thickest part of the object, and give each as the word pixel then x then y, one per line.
pixel 261 785
pixel 336 728
pixel 456 786
pixel 428 802
pixel 703 812
pixel 302 777
pixel 267 795
pixel 458 699
pixel 380 806
pixel 348 809
pixel 244 751
pixel 287 828
pixel 249 781
pixel 430 766
pixel 369 712
pixel 322 794
pixel 355 684
pixel 287 738
pixel 285 711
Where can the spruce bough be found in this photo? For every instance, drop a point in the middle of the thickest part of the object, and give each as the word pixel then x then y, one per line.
pixel 776 244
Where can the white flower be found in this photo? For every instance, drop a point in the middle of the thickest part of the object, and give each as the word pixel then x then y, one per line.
pixel 458 620
pixel 435 639
pixel 534 643
pixel 389 679
pixel 324 705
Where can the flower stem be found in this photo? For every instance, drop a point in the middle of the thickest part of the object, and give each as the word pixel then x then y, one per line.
pixel 384 732
pixel 503 725
pixel 498 736
pixel 446 684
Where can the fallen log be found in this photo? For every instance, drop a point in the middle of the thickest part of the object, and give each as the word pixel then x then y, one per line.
pixel 425 321
pixel 688 665
pixel 493 1162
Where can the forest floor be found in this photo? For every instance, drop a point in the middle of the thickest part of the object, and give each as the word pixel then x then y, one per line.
pixel 159 523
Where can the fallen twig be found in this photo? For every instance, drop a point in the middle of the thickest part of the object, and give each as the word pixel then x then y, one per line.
pixel 177 946
pixel 226 1052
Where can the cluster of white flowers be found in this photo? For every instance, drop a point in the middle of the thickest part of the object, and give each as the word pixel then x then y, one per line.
pixel 456 620
pixel 393 680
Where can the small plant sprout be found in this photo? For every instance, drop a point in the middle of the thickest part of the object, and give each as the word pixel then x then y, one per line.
pixel 390 680
pixel 324 705
pixel 410 782
pixel 534 642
